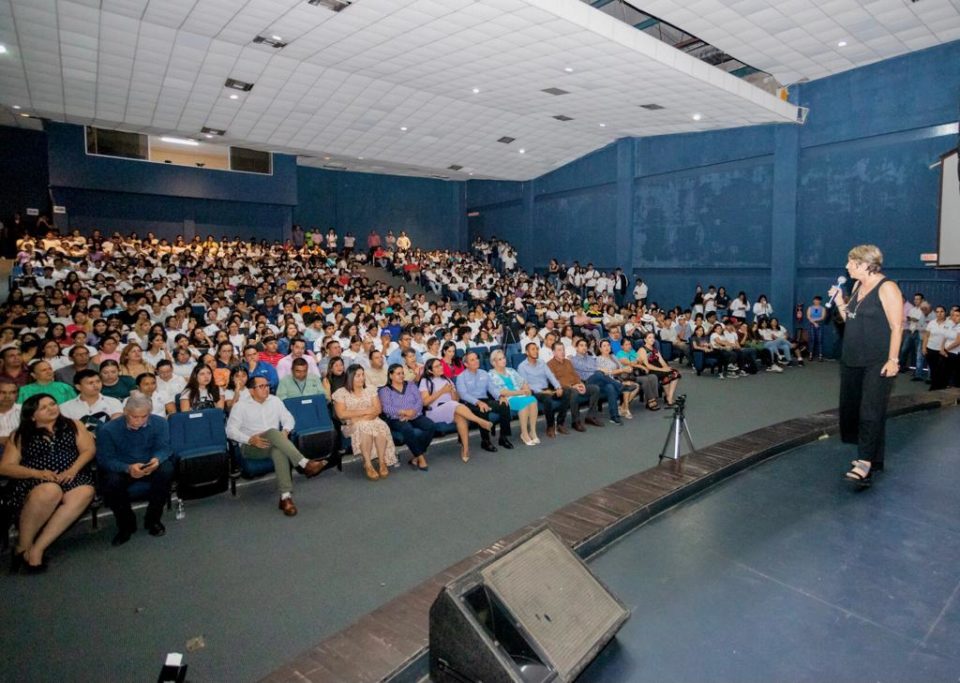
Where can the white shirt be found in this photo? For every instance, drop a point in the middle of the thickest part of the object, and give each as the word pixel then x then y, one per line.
pixel 77 408
pixel 10 420
pixel 174 386
pixel 251 417
pixel 938 332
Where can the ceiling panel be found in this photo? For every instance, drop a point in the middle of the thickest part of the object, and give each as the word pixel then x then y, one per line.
pixel 347 84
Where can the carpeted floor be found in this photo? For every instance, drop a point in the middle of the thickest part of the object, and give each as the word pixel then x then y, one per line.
pixel 260 588
pixel 788 573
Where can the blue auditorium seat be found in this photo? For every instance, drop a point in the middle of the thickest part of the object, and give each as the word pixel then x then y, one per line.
pixel 199 442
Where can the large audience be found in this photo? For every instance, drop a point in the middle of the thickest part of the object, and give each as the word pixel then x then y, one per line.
pixel 104 337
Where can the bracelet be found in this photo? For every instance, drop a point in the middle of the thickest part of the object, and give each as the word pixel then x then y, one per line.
pixel 893 360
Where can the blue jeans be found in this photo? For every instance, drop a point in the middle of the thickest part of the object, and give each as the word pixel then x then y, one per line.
pixel 610 388
pixel 815 332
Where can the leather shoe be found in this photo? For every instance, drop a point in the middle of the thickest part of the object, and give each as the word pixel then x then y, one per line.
pixel 287 506
pixel 578 427
pixel 593 421
pixel 562 430
pixel 314 467
pixel 488 447
pixel 123 535
pixel 505 442
pixel 551 432
pixel 156 529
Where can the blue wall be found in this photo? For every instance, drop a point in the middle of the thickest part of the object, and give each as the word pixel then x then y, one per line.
pixel 23 173
pixel 122 194
pixel 768 209
pixel 430 211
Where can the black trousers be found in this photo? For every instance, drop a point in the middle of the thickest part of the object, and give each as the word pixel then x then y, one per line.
pixel 417 433
pixel 863 410
pixel 939 370
pixel 501 409
pixel 546 400
pixel 115 488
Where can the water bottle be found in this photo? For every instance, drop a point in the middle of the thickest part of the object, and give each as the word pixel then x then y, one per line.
pixel 181 513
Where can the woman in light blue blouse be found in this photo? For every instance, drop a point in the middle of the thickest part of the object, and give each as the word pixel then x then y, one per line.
pixel 517 394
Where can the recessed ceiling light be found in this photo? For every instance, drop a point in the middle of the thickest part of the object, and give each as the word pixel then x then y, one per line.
pixel 603 125
pixel 16 106
pixel 403 128
pixel 360 158
pixel 476 91
pixel 234 97
pixel 697 117
pixel 208 135
pixel 180 141
pixel 210 132
pixel 569 69
pixel 25 115
pixel 326 158
pixel 842 43
pixel 3 49
pixel 522 151
pixel 276 37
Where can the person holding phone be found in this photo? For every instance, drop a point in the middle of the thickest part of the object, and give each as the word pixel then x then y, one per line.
pixel 131 448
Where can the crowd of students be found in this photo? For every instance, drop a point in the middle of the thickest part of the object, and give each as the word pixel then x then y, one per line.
pixel 109 335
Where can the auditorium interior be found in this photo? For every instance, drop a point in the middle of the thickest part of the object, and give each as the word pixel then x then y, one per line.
pixel 742 144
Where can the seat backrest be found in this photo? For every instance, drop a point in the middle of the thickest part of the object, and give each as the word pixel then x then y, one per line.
pixel 309 412
pixel 514 359
pixel 197 428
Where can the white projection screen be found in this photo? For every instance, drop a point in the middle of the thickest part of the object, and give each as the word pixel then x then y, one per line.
pixel 948 252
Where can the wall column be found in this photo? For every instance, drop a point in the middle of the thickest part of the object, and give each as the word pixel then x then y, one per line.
pixel 624 233
pixel 783 242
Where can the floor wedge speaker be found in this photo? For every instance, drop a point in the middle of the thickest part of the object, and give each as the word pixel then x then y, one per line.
pixel 532 614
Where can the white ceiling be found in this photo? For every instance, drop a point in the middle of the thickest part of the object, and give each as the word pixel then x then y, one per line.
pixel 798 39
pixel 348 82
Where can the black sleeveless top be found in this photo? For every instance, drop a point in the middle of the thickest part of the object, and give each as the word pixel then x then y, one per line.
pixel 866 335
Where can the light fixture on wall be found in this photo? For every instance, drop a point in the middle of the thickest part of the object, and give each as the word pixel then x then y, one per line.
pixel 180 141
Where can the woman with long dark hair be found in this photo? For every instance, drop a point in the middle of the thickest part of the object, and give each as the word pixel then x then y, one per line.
pixel 201 391
pixel 873 319
pixel 357 406
pixel 47 456
pixel 452 364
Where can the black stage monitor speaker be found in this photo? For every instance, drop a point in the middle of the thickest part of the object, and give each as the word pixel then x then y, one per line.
pixel 533 614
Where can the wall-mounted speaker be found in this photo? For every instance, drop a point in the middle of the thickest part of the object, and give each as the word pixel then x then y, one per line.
pixel 534 613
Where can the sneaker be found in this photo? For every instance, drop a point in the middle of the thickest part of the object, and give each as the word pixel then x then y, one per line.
pixel 775 368
pixel 617 421
pixel 721 376
pixel 743 373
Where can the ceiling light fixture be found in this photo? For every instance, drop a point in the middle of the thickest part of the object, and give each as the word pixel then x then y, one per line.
pixel 3 49
pixel 335 5
pixel 238 85
pixel 207 135
pixel 213 131
pixel 234 97
pixel 555 91
pixel 603 125
pixel 476 91
pixel 180 141
pixel 697 116
pixel 403 128
pixel 569 69
pixel 16 106
pixel 272 41
pixel 522 150
pixel 25 115
pixel 842 43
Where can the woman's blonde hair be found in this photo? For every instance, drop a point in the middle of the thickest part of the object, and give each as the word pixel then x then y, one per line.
pixel 497 354
pixel 869 255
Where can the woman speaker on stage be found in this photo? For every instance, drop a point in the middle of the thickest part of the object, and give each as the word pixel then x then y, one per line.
pixel 869 363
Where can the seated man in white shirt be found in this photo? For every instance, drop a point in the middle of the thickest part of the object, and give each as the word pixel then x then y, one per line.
pixel 91 407
pixel 262 427
pixel 9 409
pixel 167 382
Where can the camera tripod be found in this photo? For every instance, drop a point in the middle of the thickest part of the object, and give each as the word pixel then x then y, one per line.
pixel 678 427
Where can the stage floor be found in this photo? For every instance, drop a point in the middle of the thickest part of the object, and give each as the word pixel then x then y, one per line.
pixel 787 573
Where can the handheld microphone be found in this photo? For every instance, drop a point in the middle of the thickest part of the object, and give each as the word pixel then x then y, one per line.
pixel 840 281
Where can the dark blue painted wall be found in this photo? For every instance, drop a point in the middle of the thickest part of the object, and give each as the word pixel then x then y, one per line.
pixel 71 166
pixel 768 209
pixel 23 173
pixel 430 211
pixel 122 194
